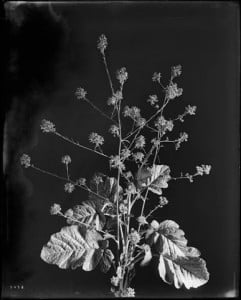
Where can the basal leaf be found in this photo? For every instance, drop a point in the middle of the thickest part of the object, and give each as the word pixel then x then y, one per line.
pixel 69 248
pixel 155 178
pixel 188 271
pixel 178 263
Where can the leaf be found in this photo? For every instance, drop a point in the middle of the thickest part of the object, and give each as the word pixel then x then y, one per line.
pixel 106 260
pixel 107 190
pixel 87 214
pixel 190 272
pixel 178 263
pixel 148 256
pixel 155 178
pixel 68 248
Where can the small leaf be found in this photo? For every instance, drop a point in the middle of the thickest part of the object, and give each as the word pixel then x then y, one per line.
pixel 155 178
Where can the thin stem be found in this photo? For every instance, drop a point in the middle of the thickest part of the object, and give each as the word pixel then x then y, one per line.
pixel 108 73
pixel 67 171
pixel 99 110
pixel 68 180
pixel 79 145
pixel 143 206
pixel 152 211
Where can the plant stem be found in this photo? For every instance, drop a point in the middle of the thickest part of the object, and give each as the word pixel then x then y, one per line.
pixel 108 73
pixel 68 180
pixel 79 145
pixel 99 110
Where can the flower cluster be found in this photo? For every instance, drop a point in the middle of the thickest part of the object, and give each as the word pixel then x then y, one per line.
pixel 55 209
pixel 25 160
pixel 115 98
pixel 176 71
pixel 153 100
pixel 156 77
pixel 140 142
pixel 102 43
pixel 132 112
pixel 134 237
pixel 191 110
pixel 116 162
pixel 81 181
pixel 69 187
pixel 173 91
pixel 183 138
pixel 96 139
pixel 122 75
pixel 66 159
pixel 125 153
pixel 80 93
pixel 47 126
pixel 97 179
pixel 203 169
pixel 138 157
pixel 123 208
pixel 163 201
pixel 114 130
pixel 163 125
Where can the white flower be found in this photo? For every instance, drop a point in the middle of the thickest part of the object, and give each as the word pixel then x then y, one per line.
pixel 142 220
pixel 125 153
pixel 140 142
pixel 138 156
pixel 47 126
pixel 140 122
pixel 203 169
pixel 130 292
pixel 152 99
pixel 55 209
pixel 113 100
pixel 191 110
pixel 173 91
pixel 163 201
pixel 80 93
pixel 156 77
pixel 176 71
pixel 96 139
pixel 81 181
pixel 97 179
pixel 164 125
pixel 102 43
pixel 115 280
pixel 66 159
pixel 132 112
pixel 115 162
pixel 69 187
pixel 122 75
pixel 114 130
pixel 134 237
pixel 25 160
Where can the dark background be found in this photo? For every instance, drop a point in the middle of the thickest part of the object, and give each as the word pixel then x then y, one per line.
pixel 50 51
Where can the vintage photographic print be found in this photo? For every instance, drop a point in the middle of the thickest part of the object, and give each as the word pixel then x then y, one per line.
pixel 121 150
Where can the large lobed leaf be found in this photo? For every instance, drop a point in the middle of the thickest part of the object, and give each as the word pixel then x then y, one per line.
pixel 154 178
pixel 70 248
pixel 178 264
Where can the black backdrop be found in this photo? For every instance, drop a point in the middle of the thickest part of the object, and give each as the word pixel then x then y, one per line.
pixel 51 51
